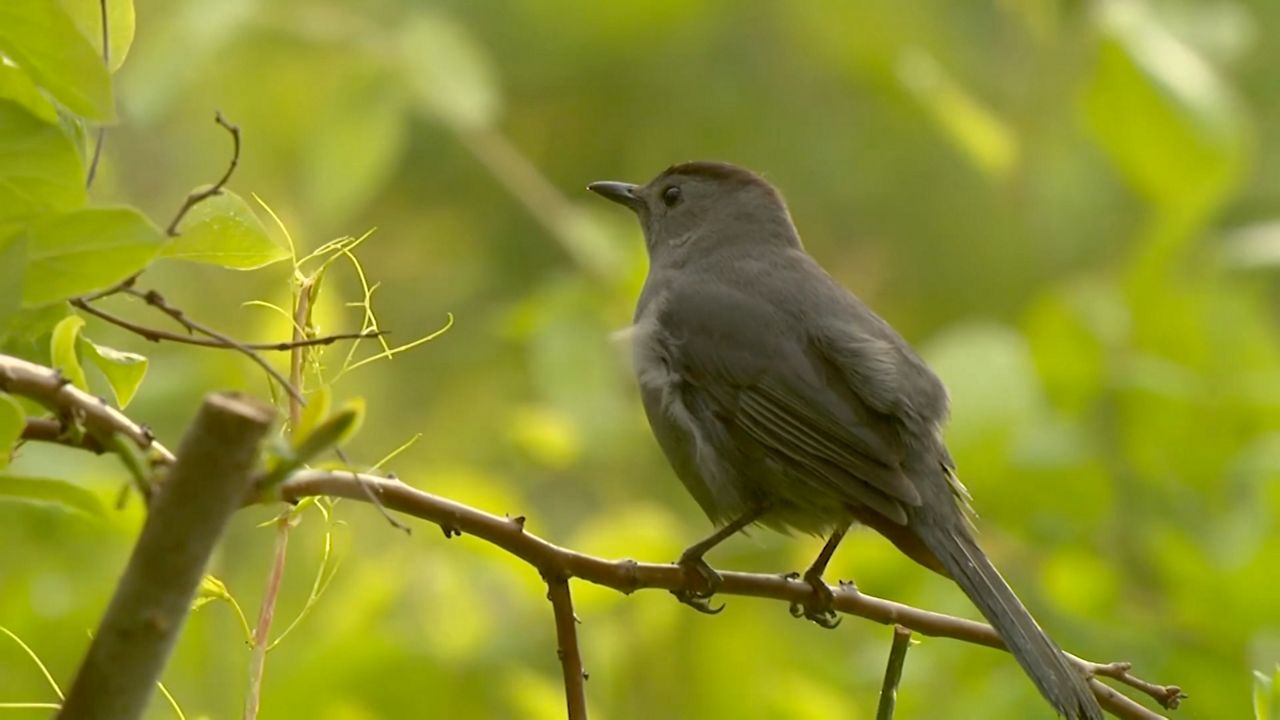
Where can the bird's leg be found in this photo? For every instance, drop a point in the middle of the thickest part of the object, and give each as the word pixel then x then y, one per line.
pixel 820 609
pixel 692 562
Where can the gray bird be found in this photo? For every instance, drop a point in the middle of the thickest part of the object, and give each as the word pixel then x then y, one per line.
pixel 780 399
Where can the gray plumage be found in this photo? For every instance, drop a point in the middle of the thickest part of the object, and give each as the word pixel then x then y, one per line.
pixel 772 389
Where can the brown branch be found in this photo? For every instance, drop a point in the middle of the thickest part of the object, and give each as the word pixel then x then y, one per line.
pixel 49 388
pixel 52 431
pixel 157 301
pixel 893 673
pixel 155 335
pixel 575 692
pixel 187 517
pixel 628 576
pixel 196 197
pixel 1169 696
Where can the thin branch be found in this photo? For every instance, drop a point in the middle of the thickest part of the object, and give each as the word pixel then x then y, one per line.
pixel 301 314
pixel 575 693
pixel 893 673
pixel 628 576
pixel 187 517
pixel 102 131
pixel 193 198
pixel 196 197
pixel 1169 696
pixel 266 614
pixel 156 335
pixel 49 388
pixel 52 431
pixel 157 301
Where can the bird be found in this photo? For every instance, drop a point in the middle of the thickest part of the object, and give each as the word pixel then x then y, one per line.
pixel 780 399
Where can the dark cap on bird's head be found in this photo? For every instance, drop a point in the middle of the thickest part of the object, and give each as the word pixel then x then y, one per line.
pixel 703 197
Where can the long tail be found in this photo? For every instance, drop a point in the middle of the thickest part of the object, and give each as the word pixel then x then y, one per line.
pixel 1061 683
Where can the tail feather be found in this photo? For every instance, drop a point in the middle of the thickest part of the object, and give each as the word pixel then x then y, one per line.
pixel 1057 678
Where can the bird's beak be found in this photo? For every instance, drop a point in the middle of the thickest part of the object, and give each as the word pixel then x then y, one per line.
pixel 619 192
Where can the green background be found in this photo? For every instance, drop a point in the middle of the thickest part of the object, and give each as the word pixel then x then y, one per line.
pixel 1070 208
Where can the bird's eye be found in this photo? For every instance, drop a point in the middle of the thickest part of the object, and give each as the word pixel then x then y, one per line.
pixel 671 196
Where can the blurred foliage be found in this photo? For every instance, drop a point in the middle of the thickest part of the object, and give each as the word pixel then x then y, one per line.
pixel 1069 206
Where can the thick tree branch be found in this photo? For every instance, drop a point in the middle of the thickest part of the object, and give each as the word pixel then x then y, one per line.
pixel 50 389
pixel 188 514
pixel 628 575
pixel 567 649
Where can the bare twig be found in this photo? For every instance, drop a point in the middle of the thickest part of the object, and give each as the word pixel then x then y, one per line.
pixel 1169 696
pixel 47 387
pixel 156 335
pixel 893 673
pixel 193 198
pixel 102 131
pixel 575 693
pixel 628 575
pixel 188 515
pixel 157 301
pixel 196 197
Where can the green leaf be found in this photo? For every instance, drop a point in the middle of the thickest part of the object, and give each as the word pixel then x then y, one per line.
pixel 52 492
pixel 124 370
pixel 41 38
pixel 62 349
pixel 12 420
pixel 335 430
pixel 1266 695
pixel 448 72
pixel 87 15
pixel 79 252
pixel 317 410
pixel 975 130
pixel 17 86
pixel 223 230
pixel 1167 121
pixel 40 171
pixel 13 264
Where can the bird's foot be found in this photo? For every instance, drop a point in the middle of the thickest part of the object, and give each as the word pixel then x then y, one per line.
pixel 820 608
pixel 699 599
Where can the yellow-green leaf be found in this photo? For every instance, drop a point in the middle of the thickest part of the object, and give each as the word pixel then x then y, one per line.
pixel 62 349
pixel 50 491
pixel 124 370
pixel 87 15
pixel 16 85
pixel 12 420
pixel 40 37
pixel 223 230
pixel 335 430
pixel 40 171
pixel 317 409
pixel 13 265
pixel 86 250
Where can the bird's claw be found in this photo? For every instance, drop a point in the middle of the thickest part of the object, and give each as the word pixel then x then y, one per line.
pixel 820 609
pixel 699 599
